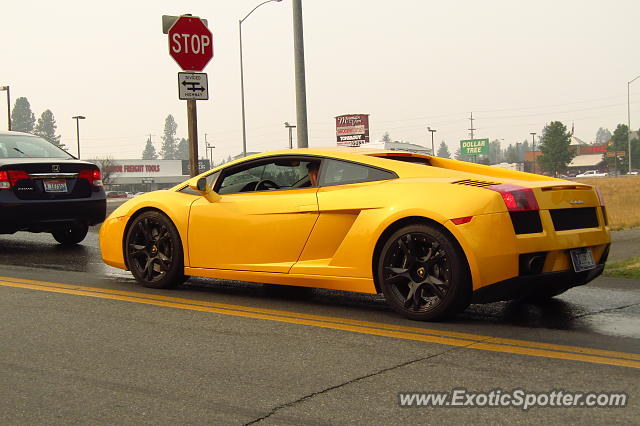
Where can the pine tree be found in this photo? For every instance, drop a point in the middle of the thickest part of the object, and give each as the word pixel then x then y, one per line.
pixel 149 152
pixel 183 150
pixel 22 118
pixel 443 150
pixel 46 128
pixel 554 146
pixel 386 138
pixel 619 143
pixel 169 144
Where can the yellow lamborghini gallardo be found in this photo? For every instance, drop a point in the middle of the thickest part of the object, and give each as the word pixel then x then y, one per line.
pixel 431 234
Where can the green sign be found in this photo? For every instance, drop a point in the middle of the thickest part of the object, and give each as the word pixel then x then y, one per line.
pixel 474 147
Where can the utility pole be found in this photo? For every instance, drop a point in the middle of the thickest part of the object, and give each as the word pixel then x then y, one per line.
pixel 290 127
pixel 301 91
pixel 533 134
pixel 433 151
pixel 6 88
pixel 209 151
pixel 471 129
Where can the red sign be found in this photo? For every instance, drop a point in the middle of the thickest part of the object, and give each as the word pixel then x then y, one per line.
pixel 190 43
pixel 352 129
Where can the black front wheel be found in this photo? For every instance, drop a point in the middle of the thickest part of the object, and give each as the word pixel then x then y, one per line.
pixel 154 251
pixel 70 234
pixel 423 273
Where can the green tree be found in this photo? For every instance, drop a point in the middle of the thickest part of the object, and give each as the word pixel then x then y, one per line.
pixel 554 148
pixel 495 152
pixel 169 142
pixel 603 136
pixel 511 154
pixel 149 152
pixel 458 156
pixel 443 150
pixel 182 152
pixel 386 138
pixel 46 128
pixel 619 143
pixel 22 118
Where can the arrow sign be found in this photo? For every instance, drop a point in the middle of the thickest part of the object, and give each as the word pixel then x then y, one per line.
pixel 193 85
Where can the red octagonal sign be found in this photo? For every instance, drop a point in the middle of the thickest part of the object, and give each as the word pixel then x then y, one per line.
pixel 190 43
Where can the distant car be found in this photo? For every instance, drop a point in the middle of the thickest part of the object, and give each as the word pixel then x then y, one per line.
pixel 45 189
pixel 139 193
pixel 431 234
pixel 117 194
pixel 592 173
pixel 633 172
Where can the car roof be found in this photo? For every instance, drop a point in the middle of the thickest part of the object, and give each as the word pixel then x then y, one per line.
pixel 12 133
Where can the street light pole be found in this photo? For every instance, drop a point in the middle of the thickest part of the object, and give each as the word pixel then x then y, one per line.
pixel 629 120
pixel 78 118
pixel 3 88
pixel 244 129
pixel 301 91
pixel 290 127
pixel 433 150
pixel 534 151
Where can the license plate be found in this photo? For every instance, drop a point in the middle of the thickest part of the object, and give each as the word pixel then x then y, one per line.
pixel 55 185
pixel 582 259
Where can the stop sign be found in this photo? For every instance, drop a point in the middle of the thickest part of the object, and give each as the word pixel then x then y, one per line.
pixel 190 43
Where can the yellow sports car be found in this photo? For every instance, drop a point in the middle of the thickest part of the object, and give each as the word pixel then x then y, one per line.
pixel 431 234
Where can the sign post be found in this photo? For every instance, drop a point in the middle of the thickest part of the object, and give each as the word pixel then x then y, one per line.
pixel 191 46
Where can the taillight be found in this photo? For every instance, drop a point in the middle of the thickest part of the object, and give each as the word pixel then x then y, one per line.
pixel 92 175
pixel 516 198
pixel 9 178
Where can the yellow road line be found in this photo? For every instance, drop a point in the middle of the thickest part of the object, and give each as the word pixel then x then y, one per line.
pixel 472 341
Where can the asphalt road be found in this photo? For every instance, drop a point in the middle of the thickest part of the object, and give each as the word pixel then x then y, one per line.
pixel 83 343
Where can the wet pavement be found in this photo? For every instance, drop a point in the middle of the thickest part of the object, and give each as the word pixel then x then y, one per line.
pixel 606 306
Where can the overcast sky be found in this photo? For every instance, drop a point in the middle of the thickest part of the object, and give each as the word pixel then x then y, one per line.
pixel 408 63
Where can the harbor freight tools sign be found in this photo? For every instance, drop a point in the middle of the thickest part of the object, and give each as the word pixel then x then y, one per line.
pixel 474 147
pixel 352 129
pixel 193 85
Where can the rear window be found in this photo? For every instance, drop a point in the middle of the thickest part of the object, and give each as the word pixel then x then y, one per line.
pixel 407 159
pixel 19 146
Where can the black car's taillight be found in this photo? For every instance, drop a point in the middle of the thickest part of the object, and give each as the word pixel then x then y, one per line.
pixel 9 178
pixel 92 175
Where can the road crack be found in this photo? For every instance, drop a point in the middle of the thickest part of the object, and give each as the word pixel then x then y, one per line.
pixel 358 379
pixel 602 311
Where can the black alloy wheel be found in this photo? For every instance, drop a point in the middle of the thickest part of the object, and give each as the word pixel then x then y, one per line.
pixel 423 274
pixel 70 234
pixel 154 251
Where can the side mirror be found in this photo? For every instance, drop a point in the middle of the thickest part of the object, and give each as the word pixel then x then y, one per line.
pixel 201 186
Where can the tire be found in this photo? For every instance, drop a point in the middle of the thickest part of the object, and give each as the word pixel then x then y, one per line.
pixel 70 234
pixel 423 273
pixel 153 250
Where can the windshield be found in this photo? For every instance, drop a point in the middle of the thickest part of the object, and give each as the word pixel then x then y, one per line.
pixel 20 146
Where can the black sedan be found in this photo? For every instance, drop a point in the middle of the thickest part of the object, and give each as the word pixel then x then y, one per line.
pixel 45 189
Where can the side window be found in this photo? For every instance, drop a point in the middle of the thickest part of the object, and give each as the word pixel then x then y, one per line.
pixel 338 172
pixel 241 181
pixel 277 174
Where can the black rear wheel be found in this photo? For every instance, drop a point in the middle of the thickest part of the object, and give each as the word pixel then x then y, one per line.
pixel 423 273
pixel 154 251
pixel 70 234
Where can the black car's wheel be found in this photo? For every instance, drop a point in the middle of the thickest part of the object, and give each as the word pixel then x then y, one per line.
pixel 423 274
pixel 70 234
pixel 154 251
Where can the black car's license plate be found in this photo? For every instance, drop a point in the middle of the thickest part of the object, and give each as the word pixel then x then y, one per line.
pixel 582 259
pixel 55 185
